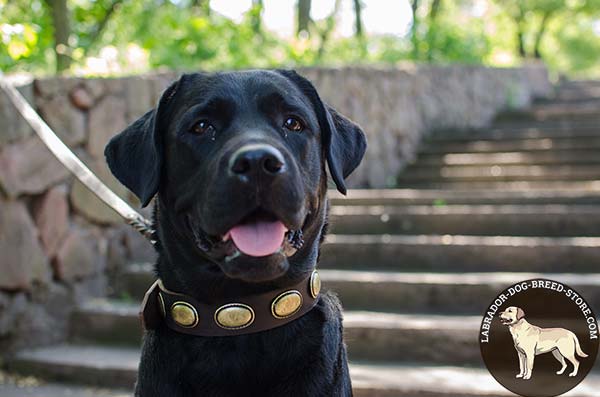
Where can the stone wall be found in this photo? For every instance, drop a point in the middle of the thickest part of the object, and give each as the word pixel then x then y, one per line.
pixel 59 244
pixel 397 107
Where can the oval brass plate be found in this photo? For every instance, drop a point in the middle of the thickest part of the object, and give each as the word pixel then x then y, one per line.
pixel 234 316
pixel 315 284
pixel 286 304
pixel 184 314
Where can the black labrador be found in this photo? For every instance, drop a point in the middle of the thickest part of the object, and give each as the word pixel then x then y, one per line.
pixel 238 162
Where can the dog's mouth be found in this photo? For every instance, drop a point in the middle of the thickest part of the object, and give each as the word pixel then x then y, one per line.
pixel 259 234
pixel 505 321
pixel 262 234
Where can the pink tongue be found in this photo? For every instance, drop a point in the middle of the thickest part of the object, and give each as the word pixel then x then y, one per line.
pixel 258 238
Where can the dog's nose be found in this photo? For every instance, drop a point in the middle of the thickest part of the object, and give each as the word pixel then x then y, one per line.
pixel 257 159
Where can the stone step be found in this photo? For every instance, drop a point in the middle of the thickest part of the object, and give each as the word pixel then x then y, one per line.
pixel 491 220
pixel 38 388
pixel 400 197
pixel 423 292
pixel 591 185
pixel 370 336
pixel 577 94
pixel 91 365
pixel 441 381
pixel 461 253
pixel 450 293
pixel 512 145
pixel 499 173
pixel 518 131
pixel 582 110
pixel 117 367
pixel 549 127
pixel 566 125
pixel 580 83
pixel 577 84
pixel 562 157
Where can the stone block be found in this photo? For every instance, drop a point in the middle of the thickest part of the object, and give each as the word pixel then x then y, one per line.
pixel 87 204
pixel 28 167
pixel 78 257
pixel 81 98
pixel 139 97
pixel 22 261
pixel 11 307
pixel 13 126
pixel 66 120
pixel 51 214
pixel 49 87
pixel 95 87
pixel 115 85
pixel 125 246
pixel 106 119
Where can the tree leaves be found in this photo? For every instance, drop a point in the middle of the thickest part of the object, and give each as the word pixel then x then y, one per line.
pixel 187 35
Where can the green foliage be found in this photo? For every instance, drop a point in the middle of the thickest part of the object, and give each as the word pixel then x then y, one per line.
pixel 560 32
pixel 575 47
pixel 26 40
pixel 186 35
pixel 449 41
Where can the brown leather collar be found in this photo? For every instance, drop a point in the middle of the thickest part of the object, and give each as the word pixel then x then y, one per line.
pixel 247 315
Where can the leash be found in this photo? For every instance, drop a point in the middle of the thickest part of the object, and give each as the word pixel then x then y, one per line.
pixel 75 165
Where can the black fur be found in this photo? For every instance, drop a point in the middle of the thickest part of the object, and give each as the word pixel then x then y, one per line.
pixel 199 200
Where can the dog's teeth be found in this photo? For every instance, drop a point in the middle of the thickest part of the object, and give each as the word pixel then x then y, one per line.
pixel 227 236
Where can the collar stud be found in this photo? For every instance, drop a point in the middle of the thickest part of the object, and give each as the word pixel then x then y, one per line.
pixel 234 316
pixel 315 284
pixel 184 314
pixel 286 304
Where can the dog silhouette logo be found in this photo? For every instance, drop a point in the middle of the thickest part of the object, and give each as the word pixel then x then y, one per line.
pixel 531 340
pixel 539 338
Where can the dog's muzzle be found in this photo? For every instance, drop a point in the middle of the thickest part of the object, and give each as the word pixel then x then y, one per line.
pixel 505 321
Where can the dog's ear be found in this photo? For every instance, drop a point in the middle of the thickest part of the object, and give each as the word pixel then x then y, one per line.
pixel 345 143
pixel 134 156
pixel 343 140
pixel 520 313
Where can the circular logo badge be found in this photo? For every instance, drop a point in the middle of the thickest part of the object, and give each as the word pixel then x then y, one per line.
pixel 539 338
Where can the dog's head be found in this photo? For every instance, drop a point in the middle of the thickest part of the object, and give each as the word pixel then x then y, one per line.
pixel 238 161
pixel 511 315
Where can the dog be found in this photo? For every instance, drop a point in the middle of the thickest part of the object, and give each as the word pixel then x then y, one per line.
pixel 237 162
pixel 531 340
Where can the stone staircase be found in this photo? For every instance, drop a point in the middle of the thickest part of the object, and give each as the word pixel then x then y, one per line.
pixel 415 267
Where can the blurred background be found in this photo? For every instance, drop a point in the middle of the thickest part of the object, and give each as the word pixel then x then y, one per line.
pixel 115 37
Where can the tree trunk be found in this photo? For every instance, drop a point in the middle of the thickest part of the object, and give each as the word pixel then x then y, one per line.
pixel 60 20
pixel 519 19
pixel 97 32
pixel 258 6
pixel 521 42
pixel 431 31
pixel 303 16
pixel 540 34
pixel 327 29
pixel 358 25
pixel 413 29
pixel 203 6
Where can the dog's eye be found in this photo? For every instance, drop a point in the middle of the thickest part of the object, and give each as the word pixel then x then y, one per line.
pixel 293 124
pixel 202 127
